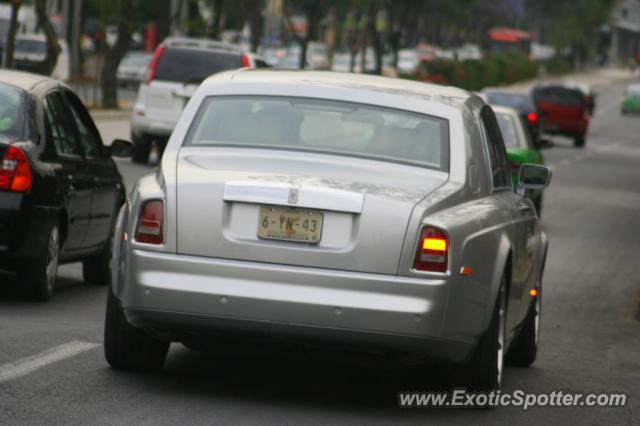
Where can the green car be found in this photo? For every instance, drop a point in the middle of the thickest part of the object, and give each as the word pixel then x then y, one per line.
pixel 631 104
pixel 520 148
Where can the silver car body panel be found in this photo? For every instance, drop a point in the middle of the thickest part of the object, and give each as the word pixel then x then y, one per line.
pixel 212 267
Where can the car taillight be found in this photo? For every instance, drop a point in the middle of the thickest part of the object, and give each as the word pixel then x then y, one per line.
pixel 150 223
pixel 153 65
pixel 15 171
pixel 433 250
pixel 246 61
pixel 532 118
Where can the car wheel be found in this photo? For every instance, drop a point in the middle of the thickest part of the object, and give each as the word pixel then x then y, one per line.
pixel 487 363
pixel 141 148
pixel 524 349
pixel 126 347
pixel 38 275
pixel 578 141
pixel 97 269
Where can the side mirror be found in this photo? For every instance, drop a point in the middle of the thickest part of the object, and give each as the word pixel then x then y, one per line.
pixel 534 177
pixel 120 148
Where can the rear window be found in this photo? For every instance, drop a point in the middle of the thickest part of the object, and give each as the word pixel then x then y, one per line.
pixel 559 96
pixel 31 46
pixel 193 66
pixel 508 129
pixel 518 102
pixel 11 106
pixel 322 126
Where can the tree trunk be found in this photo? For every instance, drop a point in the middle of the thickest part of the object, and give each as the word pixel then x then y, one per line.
pixel 254 15
pixel 53 48
pixel 11 36
pixel 163 24
pixel 113 55
pixel 218 6
pixel 373 36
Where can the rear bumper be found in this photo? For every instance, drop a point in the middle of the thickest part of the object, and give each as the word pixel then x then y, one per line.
pixel 191 295
pixel 144 125
pixel 566 127
pixel 22 227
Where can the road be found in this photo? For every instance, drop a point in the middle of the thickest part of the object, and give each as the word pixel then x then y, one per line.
pixel 52 369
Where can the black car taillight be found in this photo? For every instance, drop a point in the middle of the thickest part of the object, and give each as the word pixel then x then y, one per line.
pixel 433 250
pixel 245 61
pixel 151 223
pixel 532 119
pixel 15 171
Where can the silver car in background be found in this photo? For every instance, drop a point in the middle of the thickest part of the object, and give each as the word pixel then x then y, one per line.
pixel 317 205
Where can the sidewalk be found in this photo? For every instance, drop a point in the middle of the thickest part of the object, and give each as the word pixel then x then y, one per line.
pixel 594 78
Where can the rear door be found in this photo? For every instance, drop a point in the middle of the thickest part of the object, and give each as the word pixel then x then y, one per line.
pixel 106 179
pixel 178 74
pixel 522 224
pixel 75 184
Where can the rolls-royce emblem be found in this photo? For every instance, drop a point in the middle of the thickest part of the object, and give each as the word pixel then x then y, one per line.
pixel 293 196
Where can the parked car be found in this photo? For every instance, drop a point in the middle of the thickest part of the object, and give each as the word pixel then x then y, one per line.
pixel 520 148
pixel 31 52
pixel 524 104
pixel 631 102
pixel 564 111
pixel 318 205
pixel 133 68
pixel 60 190
pixel 176 69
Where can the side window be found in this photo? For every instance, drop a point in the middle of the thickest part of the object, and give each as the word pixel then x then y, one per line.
pixel 89 136
pixel 60 127
pixel 497 152
pixel 261 64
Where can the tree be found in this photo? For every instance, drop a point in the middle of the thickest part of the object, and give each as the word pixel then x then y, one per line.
pixel 11 36
pixel 114 54
pixel 312 10
pixel 53 47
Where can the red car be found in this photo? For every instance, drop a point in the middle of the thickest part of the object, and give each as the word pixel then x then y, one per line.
pixel 565 111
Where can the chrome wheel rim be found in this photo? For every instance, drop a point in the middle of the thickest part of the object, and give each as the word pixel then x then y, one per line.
pixel 501 333
pixel 53 249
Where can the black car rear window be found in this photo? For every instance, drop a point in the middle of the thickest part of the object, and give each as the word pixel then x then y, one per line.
pixel 12 102
pixel 559 96
pixel 193 66
pixel 522 103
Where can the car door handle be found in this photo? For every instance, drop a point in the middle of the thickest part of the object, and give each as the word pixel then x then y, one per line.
pixel 524 208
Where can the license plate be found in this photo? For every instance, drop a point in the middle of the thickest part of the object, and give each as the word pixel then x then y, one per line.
pixel 290 224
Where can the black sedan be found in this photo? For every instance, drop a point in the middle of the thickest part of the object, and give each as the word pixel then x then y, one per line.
pixel 524 104
pixel 60 191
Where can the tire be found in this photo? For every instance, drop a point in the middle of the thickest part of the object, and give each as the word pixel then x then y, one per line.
pixel 578 141
pixel 487 363
pixel 524 349
pixel 128 348
pixel 38 275
pixel 141 148
pixel 96 270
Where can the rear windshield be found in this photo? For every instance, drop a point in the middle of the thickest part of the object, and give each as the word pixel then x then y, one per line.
pixel 193 66
pixel 31 46
pixel 332 127
pixel 508 129
pixel 559 96
pixel 518 102
pixel 11 106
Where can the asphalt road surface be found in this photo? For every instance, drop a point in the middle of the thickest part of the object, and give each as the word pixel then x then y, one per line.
pixel 52 369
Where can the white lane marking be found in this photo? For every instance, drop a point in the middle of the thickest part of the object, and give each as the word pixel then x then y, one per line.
pixel 29 364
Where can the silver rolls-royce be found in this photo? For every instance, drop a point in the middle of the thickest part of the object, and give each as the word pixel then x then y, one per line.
pixel 315 205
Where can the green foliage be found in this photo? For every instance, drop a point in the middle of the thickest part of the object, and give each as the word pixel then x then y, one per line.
pixel 475 74
pixel 557 66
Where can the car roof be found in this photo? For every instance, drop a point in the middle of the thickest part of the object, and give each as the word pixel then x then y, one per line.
pixel 426 91
pixel 505 110
pixel 24 80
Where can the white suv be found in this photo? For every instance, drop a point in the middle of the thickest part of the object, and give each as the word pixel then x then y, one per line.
pixel 178 66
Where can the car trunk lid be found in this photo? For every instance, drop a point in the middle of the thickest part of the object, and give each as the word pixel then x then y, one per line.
pixel 364 205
